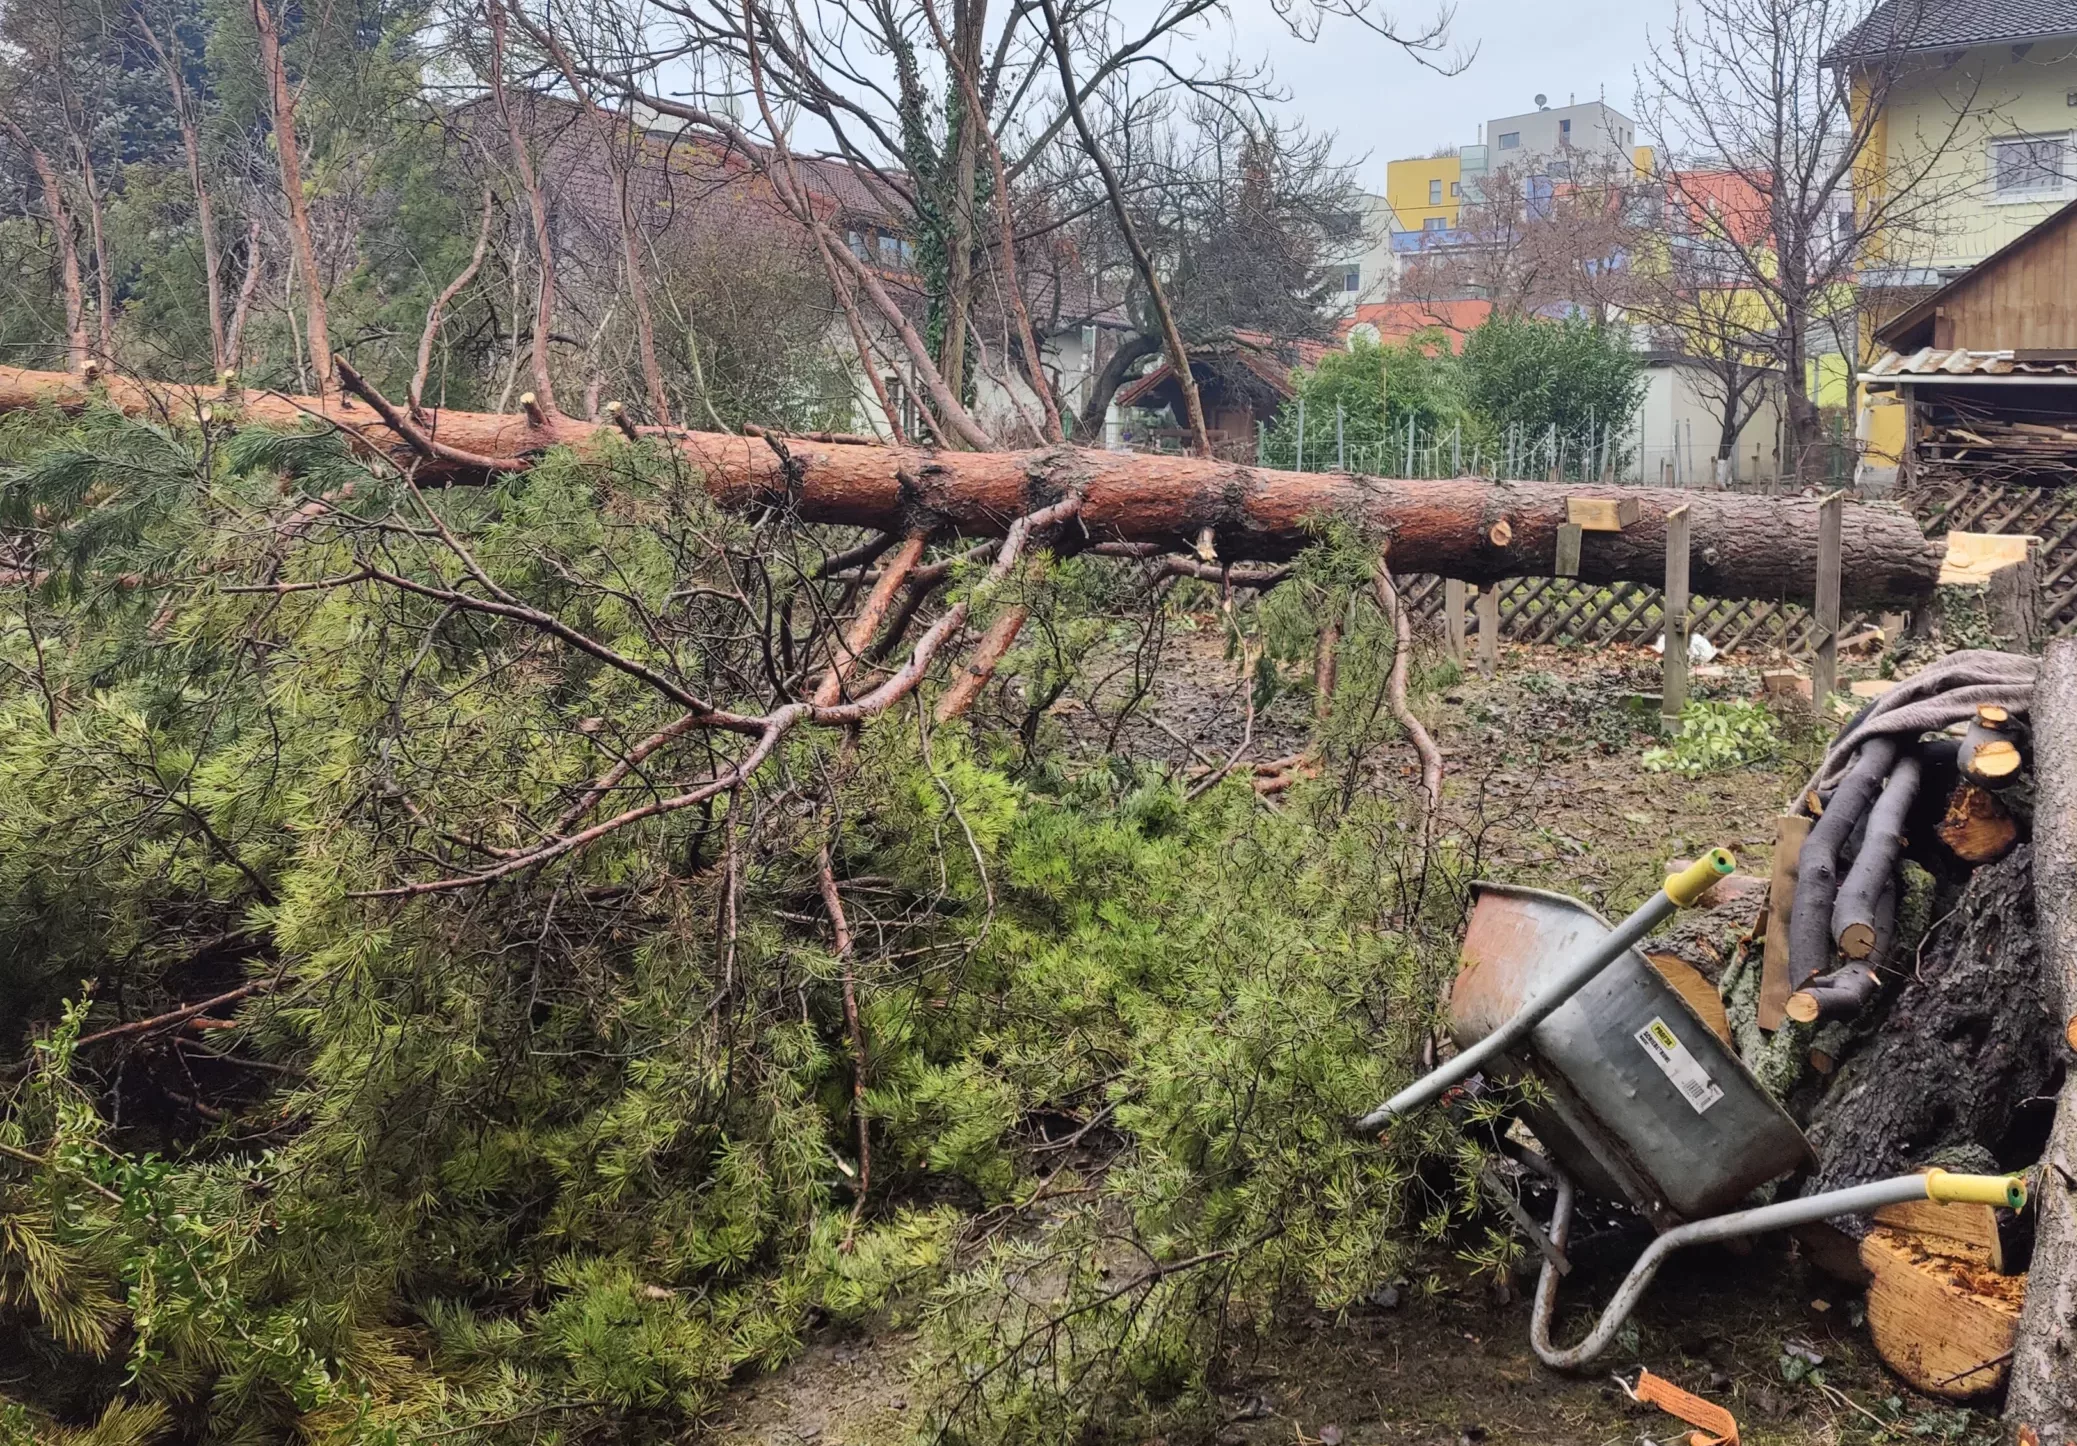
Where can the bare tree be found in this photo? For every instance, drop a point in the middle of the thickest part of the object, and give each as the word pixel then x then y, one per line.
pixel 950 123
pixel 281 100
pixel 171 56
pixel 1786 98
pixel 1243 218
pixel 1687 290
pixel 77 346
pixel 1529 239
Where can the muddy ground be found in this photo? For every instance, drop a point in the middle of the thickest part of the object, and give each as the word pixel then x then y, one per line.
pixel 1545 783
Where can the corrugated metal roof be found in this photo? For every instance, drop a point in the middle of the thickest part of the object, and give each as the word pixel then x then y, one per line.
pixel 1958 362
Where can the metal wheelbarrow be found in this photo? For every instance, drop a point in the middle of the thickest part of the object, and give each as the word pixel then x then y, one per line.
pixel 1637 1098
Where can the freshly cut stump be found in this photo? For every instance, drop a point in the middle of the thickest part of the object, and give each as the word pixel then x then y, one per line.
pixel 1940 1316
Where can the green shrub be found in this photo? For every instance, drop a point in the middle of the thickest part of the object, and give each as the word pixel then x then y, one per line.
pixel 1714 737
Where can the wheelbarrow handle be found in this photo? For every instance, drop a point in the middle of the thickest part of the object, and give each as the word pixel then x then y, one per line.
pixel 2009 1190
pixel 1681 891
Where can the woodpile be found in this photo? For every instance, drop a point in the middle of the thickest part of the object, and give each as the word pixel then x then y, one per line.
pixel 1978 443
pixel 1923 949
pixel 1942 792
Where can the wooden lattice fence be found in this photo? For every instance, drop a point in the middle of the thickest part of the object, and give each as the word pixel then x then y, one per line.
pixel 1559 610
pixel 1946 504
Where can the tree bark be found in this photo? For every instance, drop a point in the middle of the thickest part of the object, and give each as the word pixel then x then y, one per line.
pixel 1965 1046
pixel 1851 988
pixel 205 209
pixel 1744 546
pixel 537 210
pixel 76 345
pixel 1875 866
pixel 234 338
pixel 97 230
pixel 415 394
pixel 2042 1396
pixel 282 100
pixel 1096 407
pixel 1817 865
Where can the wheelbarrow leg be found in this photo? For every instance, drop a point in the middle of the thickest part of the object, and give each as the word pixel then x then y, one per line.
pixel 1938 1185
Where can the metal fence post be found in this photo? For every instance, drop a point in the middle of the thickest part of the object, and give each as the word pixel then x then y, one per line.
pixel 1824 668
pixel 1675 615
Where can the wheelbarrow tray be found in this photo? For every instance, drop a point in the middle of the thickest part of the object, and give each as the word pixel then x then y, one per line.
pixel 1641 1100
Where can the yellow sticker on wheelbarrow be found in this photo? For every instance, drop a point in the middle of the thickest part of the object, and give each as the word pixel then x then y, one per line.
pixel 1674 1061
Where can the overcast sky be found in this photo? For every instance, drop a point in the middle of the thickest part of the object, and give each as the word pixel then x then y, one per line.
pixel 1381 103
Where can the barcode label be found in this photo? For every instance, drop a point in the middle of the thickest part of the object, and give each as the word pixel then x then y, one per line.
pixel 1674 1061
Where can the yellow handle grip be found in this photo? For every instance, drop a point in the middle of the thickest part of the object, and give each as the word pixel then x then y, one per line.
pixel 2009 1191
pixel 1693 881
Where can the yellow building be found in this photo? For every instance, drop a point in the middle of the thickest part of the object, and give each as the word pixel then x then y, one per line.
pixel 2009 73
pixel 1425 193
pixel 1981 124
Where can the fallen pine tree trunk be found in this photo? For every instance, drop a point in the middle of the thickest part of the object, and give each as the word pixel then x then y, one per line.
pixel 1468 528
pixel 2041 1404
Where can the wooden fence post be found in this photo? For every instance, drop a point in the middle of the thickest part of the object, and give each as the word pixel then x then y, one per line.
pixel 1489 629
pixel 1675 616
pixel 1824 668
pixel 1453 617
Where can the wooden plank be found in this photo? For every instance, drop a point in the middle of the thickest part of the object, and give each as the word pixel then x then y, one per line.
pixel 1601 514
pixel 1944 1324
pixel 1790 830
pixel 1566 564
pixel 1675 663
pixel 1824 668
pixel 1453 617
pixel 1973 556
pixel 1489 628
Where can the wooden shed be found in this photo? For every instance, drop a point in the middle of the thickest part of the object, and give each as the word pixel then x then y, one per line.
pixel 1241 381
pixel 1987 365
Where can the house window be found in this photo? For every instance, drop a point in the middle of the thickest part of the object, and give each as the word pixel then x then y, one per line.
pixel 1352 278
pixel 1453 191
pixel 1435 223
pixel 2028 167
pixel 1510 140
pixel 1435 193
pixel 890 250
pixel 856 241
pixel 1565 132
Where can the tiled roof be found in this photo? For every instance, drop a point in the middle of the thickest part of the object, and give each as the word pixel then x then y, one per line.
pixel 1947 24
pixel 1268 360
pixel 1395 321
pixel 686 183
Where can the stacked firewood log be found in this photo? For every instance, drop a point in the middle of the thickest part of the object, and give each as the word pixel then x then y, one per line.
pixel 1936 798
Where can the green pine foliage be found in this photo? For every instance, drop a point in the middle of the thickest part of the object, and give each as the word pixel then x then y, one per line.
pixel 557 1157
